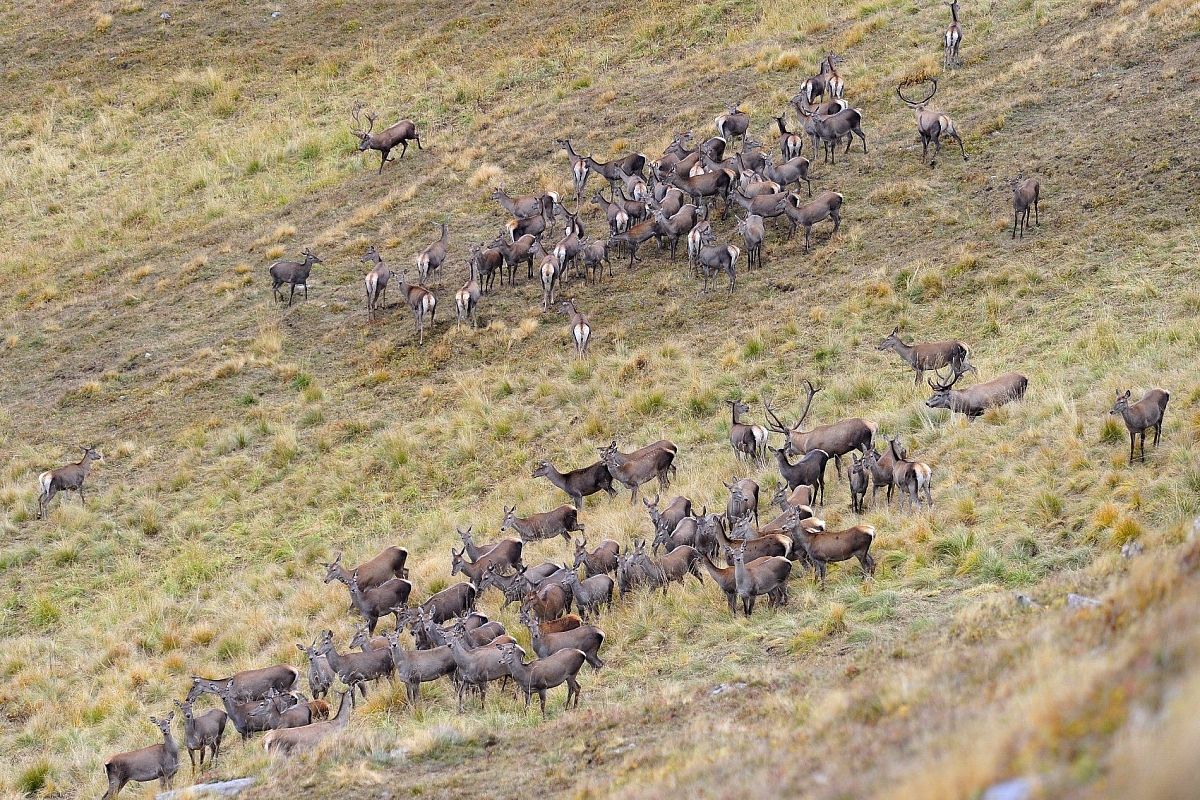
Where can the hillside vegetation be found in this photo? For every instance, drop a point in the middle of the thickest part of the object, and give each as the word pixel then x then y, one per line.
pixel 151 170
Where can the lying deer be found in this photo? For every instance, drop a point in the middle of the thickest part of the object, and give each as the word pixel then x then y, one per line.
pixel 977 399
pixel 1143 415
pixel 297 740
pixel 66 479
pixel 157 762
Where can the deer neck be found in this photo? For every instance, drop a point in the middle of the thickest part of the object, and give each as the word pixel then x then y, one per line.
pixel 343 714
pixel 906 351
pixel 520 672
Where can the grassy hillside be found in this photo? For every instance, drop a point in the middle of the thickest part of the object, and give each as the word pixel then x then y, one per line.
pixel 152 170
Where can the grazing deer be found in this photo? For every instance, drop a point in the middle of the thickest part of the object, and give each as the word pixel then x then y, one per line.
pixel 422 302
pixel 578 483
pixel 748 441
pixel 732 124
pixel 753 232
pixel 928 355
pixel 579 167
pixel 202 733
pixel 431 258
pixel 763 576
pixel 631 470
pixel 826 205
pixel 858 477
pixel 293 273
pixel 827 547
pixel 376 280
pixel 466 299
pixel 581 329
pixel 396 135
pixel 68 478
pixel 837 439
pixel 952 39
pixel 562 521
pixel 978 398
pixel 1025 195
pixel 371 573
pixel 1143 415
pixel 910 477
pixel 932 126
pixel 600 561
pixel 157 762
pixel 297 740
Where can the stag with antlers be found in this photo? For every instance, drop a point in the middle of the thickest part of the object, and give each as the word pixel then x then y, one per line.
pixel 837 439
pixel 397 135
pixel 932 125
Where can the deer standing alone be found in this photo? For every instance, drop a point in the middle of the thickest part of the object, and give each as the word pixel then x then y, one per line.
pixel 952 39
pixel 68 478
pixel 396 135
pixel 928 355
pixel 1143 415
pixel 932 126
pixel 1025 196
pixel 157 762
pixel 431 258
pixel 581 329
pixel 376 280
pixel 293 273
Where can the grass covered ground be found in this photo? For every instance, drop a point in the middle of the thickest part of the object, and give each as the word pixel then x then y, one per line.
pixel 152 170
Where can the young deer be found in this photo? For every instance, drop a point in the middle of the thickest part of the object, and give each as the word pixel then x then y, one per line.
pixel 396 135
pixel 293 273
pixel 581 329
pixel 421 301
pixel 69 478
pixel 376 280
pixel 910 477
pixel 587 638
pixel 1025 195
pixel 859 477
pixel 431 258
pixel 743 499
pixel 748 441
pixel 1143 415
pixel 157 762
pixel 202 733
pixel 932 126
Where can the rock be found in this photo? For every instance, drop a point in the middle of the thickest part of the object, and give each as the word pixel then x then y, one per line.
pixel 1079 601
pixel 1025 601
pixel 1131 549
pixel 276 14
pixel 1015 789
pixel 220 789
pixel 726 687
pixel 165 16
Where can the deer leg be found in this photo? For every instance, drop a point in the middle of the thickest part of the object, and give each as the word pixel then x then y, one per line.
pixel 404 148
pixel 1132 441
pixel 306 291
pixel 1016 214
pixel 383 159
pixel 192 756
pixel 958 139
pixel 1036 220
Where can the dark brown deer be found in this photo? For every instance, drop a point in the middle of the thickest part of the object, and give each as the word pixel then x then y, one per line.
pixel 69 478
pixel 978 398
pixel 714 259
pixel 763 576
pixel 593 257
pixel 378 601
pixel 373 572
pixel 549 601
pixel 202 733
pixel 466 299
pixel 791 145
pixel 678 564
pixel 826 205
pixel 544 673
pixel 669 518
pixel 1143 415
pixel 828 547
pixel 488 262
pixel 932 126
pixel 421 302
pixel 589 594
pixel 355 669
pixel 743 498
pixel 578 483
pixel 240 712
pixel 561 521
pixel 415 667
pixel 505 553
pixel 837 439
pixel 631 470
pixel 581 329
pixel 725 580
pixel 431 258
pixel 157 762
pixel 396 135
pixel 376 280
pixel 753 232
pixel 928 355
pixel 449 603
pixel 514 253
pixel 600 561
pixel 858 476
pixel 792 171
pixel 528 226
pixel 732 124
pixel 808 471
pixel 614 212
pixel 293 273
pixel 1025 196
pixel 587 638
pixel 748 441
pixel 952 40
pixel 701 187
pixel 275 716
pixel 579 167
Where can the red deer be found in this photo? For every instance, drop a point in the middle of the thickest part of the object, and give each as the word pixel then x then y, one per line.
pixel 1025 195
pixel 513 253
pixel 932 126
pixel 396 135
pixel 928 355
pixel 668 519
pixel 732 124
pixel 202 733
pixel 594 256
pixel 747 441
pixel 374 572
pixel 818 84
pixel 378 601
pixel 599 561
pixel 910 477
pixel 578 483
pixel 293 273
pixel 980 397
pixel 837 439
pixel 789 172
pixel 544 673
pixel 763 576
pixel 743 499
pixel 581 329
pixel 157 762
pixel 541 205
pixel 431 258
pixel 752 232
pixel 1143 415
pixel 713 259
pixel 700 187
pixel 251 684
pixel 466 299
pixel 858 477
pixel 631 470
pixel 808 471
pixel 376 280
pixel 579 167
pixel 676 226
pixel 320 674
pixel 422 302
pixel 66 479
pixel 587 638
pixel 952 40
pixel 561 521
pixel 880 467
pixel 589 594
pixel 415 667
pixel 505 553
pixel 829 547
pixel 791 145
pixel 355 669
pixel 826 205
pixel 551 600
pixel 831 128
pixel 612 171
pixel 297 740
pixel 475 667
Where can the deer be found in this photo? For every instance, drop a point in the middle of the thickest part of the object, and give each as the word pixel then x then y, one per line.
pixel 396 135
pixel 880 468
pixel 808 471
pixel 767 206
pixel 751 184
pixel 157 762
pixel 466 299
pixel 355 669
pixel 836 439
pixel 589 594
pixel 713 259
pixel 743 498
pixel 793 498
pixel 791 171
pixel 763 576
pixel 753 232
pixel 551 600
pixel 828 547
pixel 376 280
pixel 320 674
pixel 527 226
pixel 513 253
pixel 631 470
pixel 202 733
pixel 549 271
pixel 475 570
pixel 581 329
pixel 977 399
pixel 928 355
pixel 587 638
pixel 816 85
pixel 687 532
pixel 371 573
pixel 910 477
pixel 578 483
pixel 544 673
pixel 504 553
pixel 748 441
pixel 449 603
pixel 541 205
pixel 858 477
pixel 952 39
pixel 700 187
pixel 561 521
pixel 1141 416
pixel 377 601
pixel 566 251
pixel 669 518
pixel 599 561
pixel 68 478
pixel 364 641
pixel 296 740
pixel 635 237
pixel 826 205
pixel 431 258
pixel 768 545
pixel 932 125
pixel 732 124
pixel 579 167
pixel 1025 196
pixel 594 256
pixel 487 262
pixel 241 712
pixel 832 128
pixel 632 164
pixel 274 717
pixel 293 273
pixel 251 684
pixel 676 226
pixel 697 238
pixel 474 667
pixel 618 218
pixel 415 667
pixel 421 302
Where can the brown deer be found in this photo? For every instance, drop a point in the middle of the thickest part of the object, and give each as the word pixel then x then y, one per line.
pixel 676 226
pixel 932 125
pixel 431 258
pixel 978 398
pixel 561 521
pixel 578 483
pixel 293 273
pixel 816 85
pixel 549 601
pixel 544 673
pixel 829 547
pixel 396 135
pixel 952 40
pixel 421 302
pixel 928 355
pixel 752 232
pixel 600 561
pixel 837 439
pixel 701 187
pixel 808 471
pixel 732 124
pixel 297 740
pixel 202 733
pixel 415 667
pixel 910 477
pixel 1143 415
pixel 763 576
pixel 632 164
pixel 376 280
pixel 466 299
pixel 373 572
pixel 635 237
pixel 1025 195
pixel 743 498
pixel 725 580
pixel 488 262
pixel 587 638
pixel 474 667
pixel 378 601
pixel 594 256
pixel 669 518
pixel 579 167
pixel 540 205
pixel 68 478
pixel 355 669
pixel 449 603
pixel 251 684
pixel 791 171
pixel 581 329
pixel 589 594
pixel 505 553
pixel 880 468
pixel 858 476
pixel 631 470
pixel 791 145
pixel 157 762
pixel 714 259
pixel 826 205
pixel 550 274
pixel 748 441
pixel 513 253
pixel 830 129
pixel 320 674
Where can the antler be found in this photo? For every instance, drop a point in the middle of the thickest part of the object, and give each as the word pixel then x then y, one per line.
pixel 941 386
pixel 812 392
pixel 778 427
pixel 922 102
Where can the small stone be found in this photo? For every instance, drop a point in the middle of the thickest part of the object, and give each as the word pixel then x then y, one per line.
pixel 1016 789
pixel 1131 549
pixel 276 14
pixel 220 789
pixel 1025 601
pixel 165 16
pixel 726 687
pixel 1080 601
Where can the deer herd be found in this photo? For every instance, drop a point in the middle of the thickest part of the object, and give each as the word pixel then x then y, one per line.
pixel 746 551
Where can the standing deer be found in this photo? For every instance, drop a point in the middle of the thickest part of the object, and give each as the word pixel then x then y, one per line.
pixel 978 398
pixel 910 477
pixel 293 273
pixel 747 441
pixel 600 561
pixel 880 468
pixel 932 126
pixel 581 329
pixel 791 145
pixel 826 547
pixel 952 39
pixel 320 674
pixel 733 123
pixel 431 257
pixel 376 280
pixel 397 135
pixel 1143 415
pixel 816 86
pixel 753 232
pixel 633 469
pixel 714 259
pixel 826 205
pixel 157 762
pixel 837 439
pixel 831 128
pixel 378 601
pixel 928 355
pixel 421 301
pixel 202 733
pixel 562 521
pixel 578 483
pixel 372 572
pixel 579 167
pixel 858 477
pixel 743 499
pixel 68 478
pixel 1025 195
pixel 761 576
pixel 466 299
